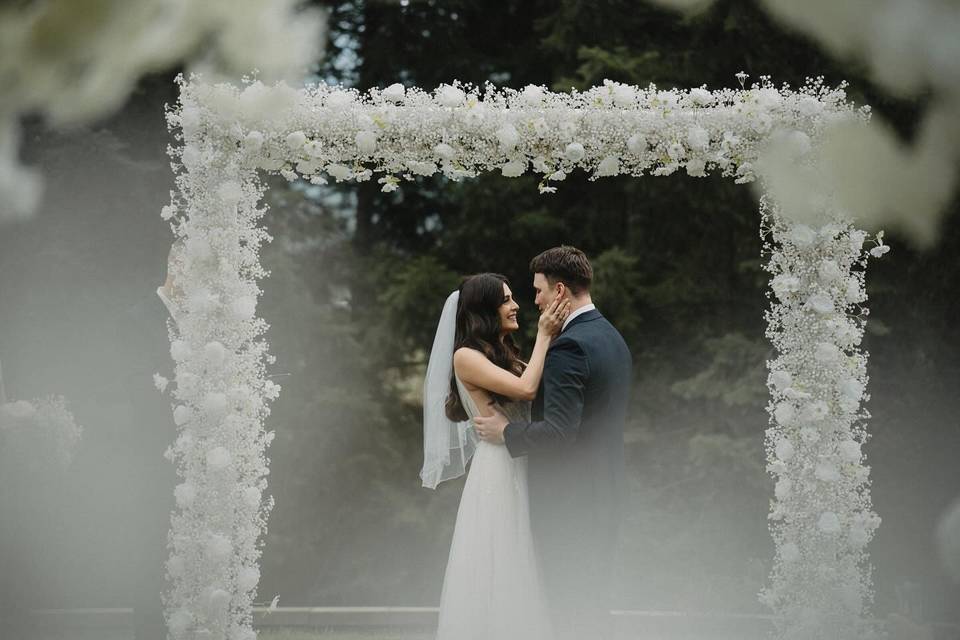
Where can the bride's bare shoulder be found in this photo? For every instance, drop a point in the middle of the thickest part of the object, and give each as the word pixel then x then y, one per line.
pixel 467 355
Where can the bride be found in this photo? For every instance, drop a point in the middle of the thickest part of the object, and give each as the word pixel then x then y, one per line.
pixel 491 590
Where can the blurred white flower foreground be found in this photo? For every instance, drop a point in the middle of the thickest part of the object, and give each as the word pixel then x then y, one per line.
pixel 910 48
pixel 74 62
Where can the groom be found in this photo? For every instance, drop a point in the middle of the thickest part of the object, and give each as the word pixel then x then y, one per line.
pixel 574 448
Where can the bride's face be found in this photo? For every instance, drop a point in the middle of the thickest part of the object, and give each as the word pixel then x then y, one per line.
pixel 508 311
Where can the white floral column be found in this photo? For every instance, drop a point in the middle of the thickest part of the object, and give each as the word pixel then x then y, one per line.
pixel 821 516
pixel 221 393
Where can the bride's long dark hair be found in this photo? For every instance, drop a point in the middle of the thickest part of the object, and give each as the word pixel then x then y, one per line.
pixel 478 327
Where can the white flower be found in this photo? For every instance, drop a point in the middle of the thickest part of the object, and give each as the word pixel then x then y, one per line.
pixel 179 621
pixel 784 450
pixel 450 96
pixel 532 95
pixel 769 98
pixel 624 95
pixel 215 354
pixel 271 389
pixel 854 293
pixel 668 99
pixel 185 494
pixel 809 435
pixel 637 144
pixel 829 522
pixel 219 458
pixel 696 167
pixel 827 472
pixel 313 148
pixel 338 171
pixel 851 388
pixel 160 382
pixel 219 546
pixel 215 405
pixel 802 236
pixel 850 451
pixel 175 566
pixel 540 127
pixel 784 284
pixel 701 97
pixel 809 106
pixel 421 168
pixel 508 137
pixel 828 271
pixel 789 552
pixel 858 536
pixel 857 238
pixel 168 211
pixel 248 578
pixel 243 308
pixel 784 413
pixel 781 379
pixel 675 151
pixel 559 175
pixel 827 353
pixel 191 157
pixel 338 99
pixel 230 192
pixel 252 497
pixel 217 600
pixel 18 410
pixel 366 142
pixel 198 248
pixel 795 394
pixel 879 250
pixel 444 151
pixel 574 152
pixel 394 93
pixel 390 184
pixel 821 303
pixel 815 411
pixel 783 489
pixel 187 384
pixel 182 414
pixel 513 168
pixel 296 140
pixel 609 166
pixel 697 138
pixel 253 141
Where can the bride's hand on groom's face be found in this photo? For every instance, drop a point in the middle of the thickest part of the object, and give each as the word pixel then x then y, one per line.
pixel 490 428
pixel 553 317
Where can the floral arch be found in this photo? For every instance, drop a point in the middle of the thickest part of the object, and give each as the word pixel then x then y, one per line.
pixel 821 516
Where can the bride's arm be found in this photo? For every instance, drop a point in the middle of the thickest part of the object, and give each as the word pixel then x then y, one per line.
pixel 474 368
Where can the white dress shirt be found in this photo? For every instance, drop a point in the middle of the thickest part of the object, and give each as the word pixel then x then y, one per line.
pixel 581 310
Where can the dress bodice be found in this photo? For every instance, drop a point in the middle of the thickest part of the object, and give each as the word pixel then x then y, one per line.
pixel 514 410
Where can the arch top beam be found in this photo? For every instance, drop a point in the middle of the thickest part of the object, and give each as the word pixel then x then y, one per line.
pixel 324 133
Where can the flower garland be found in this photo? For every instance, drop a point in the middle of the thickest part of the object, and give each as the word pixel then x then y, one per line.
pixel 228 135
pixel 221 392
pixel 821 515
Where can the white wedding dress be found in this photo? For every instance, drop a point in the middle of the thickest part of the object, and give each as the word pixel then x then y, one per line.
pixel 492 590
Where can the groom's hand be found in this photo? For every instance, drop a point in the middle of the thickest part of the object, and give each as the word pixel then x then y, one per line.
pixel 490 428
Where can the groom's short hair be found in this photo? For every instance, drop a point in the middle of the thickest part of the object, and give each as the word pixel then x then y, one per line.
pixel 565 264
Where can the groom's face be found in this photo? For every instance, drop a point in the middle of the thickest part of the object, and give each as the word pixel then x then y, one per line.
pixel 546 292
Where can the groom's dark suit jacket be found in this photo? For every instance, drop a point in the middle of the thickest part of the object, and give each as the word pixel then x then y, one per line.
pixel 575 461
